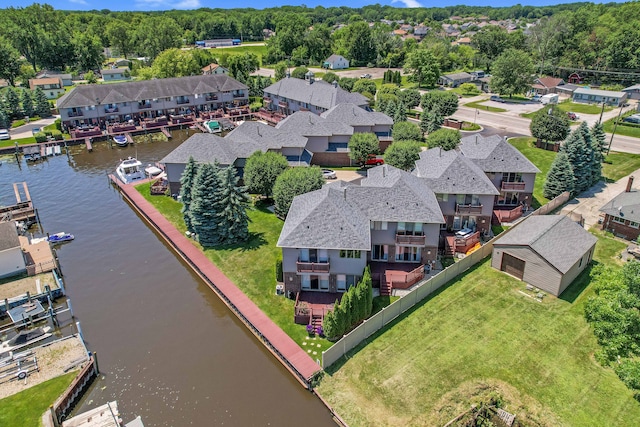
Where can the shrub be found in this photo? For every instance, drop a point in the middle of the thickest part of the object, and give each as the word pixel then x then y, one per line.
pixel 279 273
pixel 40 137
pixel 57 135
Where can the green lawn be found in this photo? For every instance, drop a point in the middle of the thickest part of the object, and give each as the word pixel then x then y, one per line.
pixel 622 129
pixel 26 408
pixel 250 266
pixel 481 333
pixel 480 106
pixel 581 108
pixel 259 50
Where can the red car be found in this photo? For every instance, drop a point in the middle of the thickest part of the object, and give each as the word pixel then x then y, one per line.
pixel 374 160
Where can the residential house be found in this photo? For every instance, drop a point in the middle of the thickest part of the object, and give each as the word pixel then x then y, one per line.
pixel 214 69
pixel 289 95
pixel 464 41
pixel 331 234
pixel 574 78
pixel 545 85
pixel 454 80
pixel 12 261
pixel 633 92
pixel 597 96
pixel 512 174
pixel 217 43
pixel 399 33
pixel 622 213
pixel 119 102
pixel 465 194
pixel 51 86
pixel 115 74
pixel 122 62
pixel 336 62
pixel 420 31
pixel 4 83
pixel 65 77
pixel 267 33
pixel 546 251
pixel 567 89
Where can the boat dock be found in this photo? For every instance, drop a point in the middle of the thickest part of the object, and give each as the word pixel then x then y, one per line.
pixel 285 349
pixel 166 132
pixel 129 137
pixel 23 210
pixel 87 142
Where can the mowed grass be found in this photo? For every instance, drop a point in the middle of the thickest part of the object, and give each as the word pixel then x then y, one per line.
pixel 259 50
pixel 621 129
pixel 26 408
pixel 481 329
pixel 480 106
pixel 577 107
pixel 251 266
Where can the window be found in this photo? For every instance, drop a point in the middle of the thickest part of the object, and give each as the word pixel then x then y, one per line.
pixel 304 255
pixel 306 282
pixel 512 177
pixel 442 197
pixel 324 283
pixel 460 199
pixel 379 225
pixel 618 219
pixel 341 282
pixel 380 253
pixel 634 224
pixel 407 254
pixel 348 253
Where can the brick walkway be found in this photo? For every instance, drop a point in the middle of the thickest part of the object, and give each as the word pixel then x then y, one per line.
pixel 296 360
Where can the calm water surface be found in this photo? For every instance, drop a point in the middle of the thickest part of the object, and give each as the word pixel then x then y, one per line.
pixel 168 349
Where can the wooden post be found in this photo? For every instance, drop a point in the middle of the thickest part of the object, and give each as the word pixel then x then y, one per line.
pixel 6 305
pixel 96 368
pixel 53 416
pixel 29 297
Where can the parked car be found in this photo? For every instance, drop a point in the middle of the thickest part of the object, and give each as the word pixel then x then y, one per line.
pixel 329 174
pixel 632 119
pixel 634 250
pixel 374 160
pixel 34 131
pixel 4 134
pixel 536 98
pixel 496 98
pixel 572 116
pixel 365 76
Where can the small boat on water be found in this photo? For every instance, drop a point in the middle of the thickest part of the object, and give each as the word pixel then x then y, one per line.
pixel 129 171
pixel 120 140
pixel 54 238
pixel 24 338
pixel 213 126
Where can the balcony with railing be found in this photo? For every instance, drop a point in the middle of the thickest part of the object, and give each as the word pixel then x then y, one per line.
pixel 238 95
pixel 113 109
pixel 267 100
pixel 513 186
pixel 468 209
pixel 283 104
pixel 410 239
pixel 144 105
pixel 76 113
pixel 212 97
pixel 181 101
pixel 312 266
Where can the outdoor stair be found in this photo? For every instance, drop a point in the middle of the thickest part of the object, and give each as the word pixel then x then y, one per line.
pixel 385 288
pixel 316 321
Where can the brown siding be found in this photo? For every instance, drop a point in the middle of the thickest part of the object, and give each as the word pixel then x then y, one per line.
pixel 537 271
pixel 331 159
pixel 621 230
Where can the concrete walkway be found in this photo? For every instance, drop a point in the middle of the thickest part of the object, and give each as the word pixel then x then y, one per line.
pixel 24 131
pixel 589 202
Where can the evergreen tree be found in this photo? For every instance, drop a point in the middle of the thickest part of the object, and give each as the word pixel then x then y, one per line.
pixel 205 205
pixel 43 109
pixel 4 119
pixel 329 324
pixel 339 317
pixel 595 160
pixel 12 103
pixel 346 308
pixel 368 285
pixel 186 187
pixel 400 113
pixel 233 221
pixel 560 177
pixel 361 301
pixel 599 140
pixel 431 121
pixel 27 103
pixel 578 153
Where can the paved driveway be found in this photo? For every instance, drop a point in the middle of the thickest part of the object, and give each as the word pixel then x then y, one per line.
pixel 24 131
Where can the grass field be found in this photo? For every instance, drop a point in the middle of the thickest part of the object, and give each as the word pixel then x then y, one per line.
pixel 259 50
pixel 26 408
pixel 481 333
pixel 621 129
pixel 581 108
pixel 480 106
pixel 250 266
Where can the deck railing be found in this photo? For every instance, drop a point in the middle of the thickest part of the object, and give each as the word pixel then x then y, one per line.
pixel 468 209
pixel 312 267
pixel 408 239
pixel 513 186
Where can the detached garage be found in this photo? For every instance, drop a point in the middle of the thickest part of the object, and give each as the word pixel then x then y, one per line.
pixel 546 251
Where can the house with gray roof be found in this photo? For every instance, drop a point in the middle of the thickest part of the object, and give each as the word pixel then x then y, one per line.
pixel 463 190
pixel 392 221
pixel 289 95
pixel 455 79
pixel 115 74
pixel 336 62
pixel 622 213
pixel 12 260
pixel 119 102
pixel 588 95
pixel 546 251
pixel 633 92
pixel 511 172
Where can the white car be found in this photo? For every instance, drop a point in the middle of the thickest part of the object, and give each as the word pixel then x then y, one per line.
pixel 365 76
pixel 4 134
pixel 329 174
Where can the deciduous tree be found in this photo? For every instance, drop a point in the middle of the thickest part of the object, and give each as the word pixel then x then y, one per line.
pixel 404 131
pixel 448 139
pixel 422 67
pixel 293 182
pixel 512 72
pixel 403 154
pixel 9 61
pixel 446 102
pixel 410 97
pixel 550 124
pixel 262 170
pixel 361 145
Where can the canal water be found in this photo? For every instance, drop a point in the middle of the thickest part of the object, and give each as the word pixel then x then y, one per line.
pixel 168 349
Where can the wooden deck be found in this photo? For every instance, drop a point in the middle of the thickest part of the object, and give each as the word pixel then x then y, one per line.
pixel 296 360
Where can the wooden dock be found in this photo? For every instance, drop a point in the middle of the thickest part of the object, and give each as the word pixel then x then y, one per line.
pixel 87 142
pixel 23 210
pixel 166 132
pixel 294 358
pixel 129 137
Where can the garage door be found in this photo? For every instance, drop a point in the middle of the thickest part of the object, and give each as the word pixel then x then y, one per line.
pixel 512 265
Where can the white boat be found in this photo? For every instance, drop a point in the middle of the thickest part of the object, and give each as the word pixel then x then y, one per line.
pixel 212 126
pixel 129 171
pixel 53 238
pixel 120 140
pixel 152 171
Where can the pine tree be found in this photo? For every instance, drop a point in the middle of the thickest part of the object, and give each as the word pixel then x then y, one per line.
pixel 339 318
pixel 366 279
pixel 560 177
pixel 205 205
pixel 186 187
pixel 599 139
pixel 431 121
pixel 578 153
pixel 27 103
pixel 329 325
pixel 595 166
pixel 233 221
pixel 400 113
pixel 12 103
pixel 43 109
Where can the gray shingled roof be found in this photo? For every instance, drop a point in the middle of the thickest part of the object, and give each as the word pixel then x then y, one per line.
pixel 449 172
pixel 353 115
pixel 599 92
pixel 204 148
pixel 458 76
pixel 309 124
pixel 263 136
pixel 86 95
pixel 625 205
pixel 338 216
pixel 318 93
pixel 333 57
pixel 556 238
pixel 114 71
pixel 494 154
pixel 8 236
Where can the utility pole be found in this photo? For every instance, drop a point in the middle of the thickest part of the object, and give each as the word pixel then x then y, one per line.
pixel 601 112
pixel 615 125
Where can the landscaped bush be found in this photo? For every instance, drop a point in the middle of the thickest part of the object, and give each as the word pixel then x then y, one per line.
pixel 17 123
pixel 57 135
pixel 279 273
pixel 355 306
pixel 40 137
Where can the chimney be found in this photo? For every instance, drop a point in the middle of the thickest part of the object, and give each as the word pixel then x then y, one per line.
pixel 629 184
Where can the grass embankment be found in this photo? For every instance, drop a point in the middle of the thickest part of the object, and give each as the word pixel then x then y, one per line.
pixel 622 128
pixel 616 166
pixel 26 408
pixel 481 332
pixel 480 106
pixel 251 266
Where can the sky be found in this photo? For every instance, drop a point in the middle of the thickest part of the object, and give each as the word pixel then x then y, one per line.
pixel 147 5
